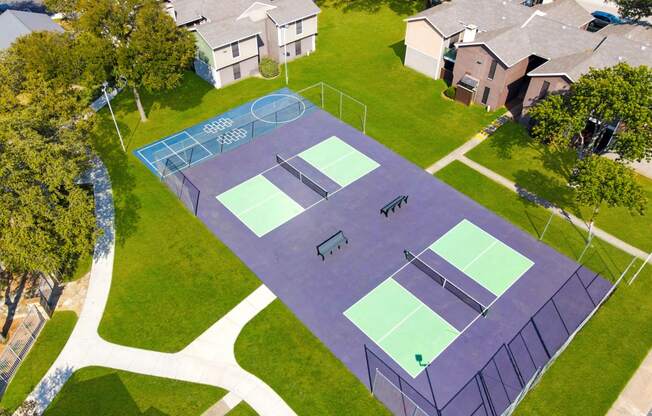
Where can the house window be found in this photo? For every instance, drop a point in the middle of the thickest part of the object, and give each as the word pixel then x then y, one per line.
pixel 236 71
pixel 299 25
pixel 485 95
pixel 235 49
pixel 492 69
pixel 297 48
pixel 544 89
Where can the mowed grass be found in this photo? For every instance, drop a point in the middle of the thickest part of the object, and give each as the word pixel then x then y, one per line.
pixel 170 272
pixel 288 357
pixel 43 353
pixel 588 377
pixel 104 391
pixel 512 153
pixel 242 409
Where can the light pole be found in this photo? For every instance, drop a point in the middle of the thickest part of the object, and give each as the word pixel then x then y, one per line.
pixel 108 102
pixel 285 52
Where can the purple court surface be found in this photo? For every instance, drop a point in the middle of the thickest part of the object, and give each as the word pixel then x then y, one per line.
pixel 318 292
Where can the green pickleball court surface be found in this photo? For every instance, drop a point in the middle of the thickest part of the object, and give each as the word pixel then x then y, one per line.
pixel 339 161
pixel 260 205
pixel 402 325
pixel 481 256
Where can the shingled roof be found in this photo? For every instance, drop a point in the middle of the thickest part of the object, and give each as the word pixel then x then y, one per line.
pixel 226 21
pixel 15 23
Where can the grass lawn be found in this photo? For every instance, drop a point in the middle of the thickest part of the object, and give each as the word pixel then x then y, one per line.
pixel 43 353
pixel 512 153
pixel 104 391
pixel 286 355
pixel 590 374
pixel 169 270
pixel 243 409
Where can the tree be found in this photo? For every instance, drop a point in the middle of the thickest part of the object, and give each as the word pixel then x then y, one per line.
pixel 65 7
pixel 598 181
pixel 71 64
pixel 634 9
pixel 620 95
pixel 151 52
pixel 46 218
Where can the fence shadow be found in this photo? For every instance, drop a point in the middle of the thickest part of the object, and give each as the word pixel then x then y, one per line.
pixel 503 381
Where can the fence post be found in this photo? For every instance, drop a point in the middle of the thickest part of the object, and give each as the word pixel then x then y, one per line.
pixel 640 269
pixel 366 356
pixel 543 233
pixel 322 94
pixel 341 95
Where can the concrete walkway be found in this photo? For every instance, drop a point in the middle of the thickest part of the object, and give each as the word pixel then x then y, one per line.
pixel 210 359
pixel 459 154
pixel 636 398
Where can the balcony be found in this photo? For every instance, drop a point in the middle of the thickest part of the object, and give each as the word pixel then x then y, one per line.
pixel 450 54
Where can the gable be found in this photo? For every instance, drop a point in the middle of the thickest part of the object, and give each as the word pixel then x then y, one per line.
pixel 256 12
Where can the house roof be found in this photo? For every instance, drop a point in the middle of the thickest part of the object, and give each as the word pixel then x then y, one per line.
pixel 231 20
pixel 611 51
pixel 568 12
pixel 288 11
pixel 14 24
pixel 449 18
pixel 639 32
pixel 540 36
pixel 228 31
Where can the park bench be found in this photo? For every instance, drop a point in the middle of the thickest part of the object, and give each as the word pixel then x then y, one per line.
pixel 396 202
pixel 332 242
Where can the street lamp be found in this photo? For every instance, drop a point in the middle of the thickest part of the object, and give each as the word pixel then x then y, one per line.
pixel 108 102
pixel 285 52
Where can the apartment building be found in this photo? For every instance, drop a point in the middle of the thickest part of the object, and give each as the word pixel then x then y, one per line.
pixel 502 53
pixel 233 35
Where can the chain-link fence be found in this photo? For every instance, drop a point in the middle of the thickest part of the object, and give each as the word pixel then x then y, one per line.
pixel 19 344
pixel 498 387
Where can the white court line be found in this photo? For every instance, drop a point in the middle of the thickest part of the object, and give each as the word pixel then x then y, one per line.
pixel 451 328
pixel 482 253
pixel 197 141
pixel 401 322
pixel 180 150
pixel 163 140
pixel 276 194
pixel 178 155
pixel 339 159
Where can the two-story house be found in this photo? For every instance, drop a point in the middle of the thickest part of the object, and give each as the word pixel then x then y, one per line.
pixel 233 35
pixel 501 53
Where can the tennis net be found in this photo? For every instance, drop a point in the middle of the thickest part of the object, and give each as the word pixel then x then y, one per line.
pixel 445 283
pixel 303 178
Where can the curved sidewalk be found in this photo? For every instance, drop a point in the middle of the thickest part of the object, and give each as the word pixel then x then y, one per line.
pixel 210 359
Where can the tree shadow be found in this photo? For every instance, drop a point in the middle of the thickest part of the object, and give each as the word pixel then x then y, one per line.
pixel 549 190
pixel 399 50
pixel 74 398
pixel 403 7
pixel 188 94
pixel 509 137
pixel 125 201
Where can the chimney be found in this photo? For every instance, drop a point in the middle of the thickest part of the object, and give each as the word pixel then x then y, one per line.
pixel 469 33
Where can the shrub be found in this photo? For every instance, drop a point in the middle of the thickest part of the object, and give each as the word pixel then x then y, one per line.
pixel 268 68
pixel 450 92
